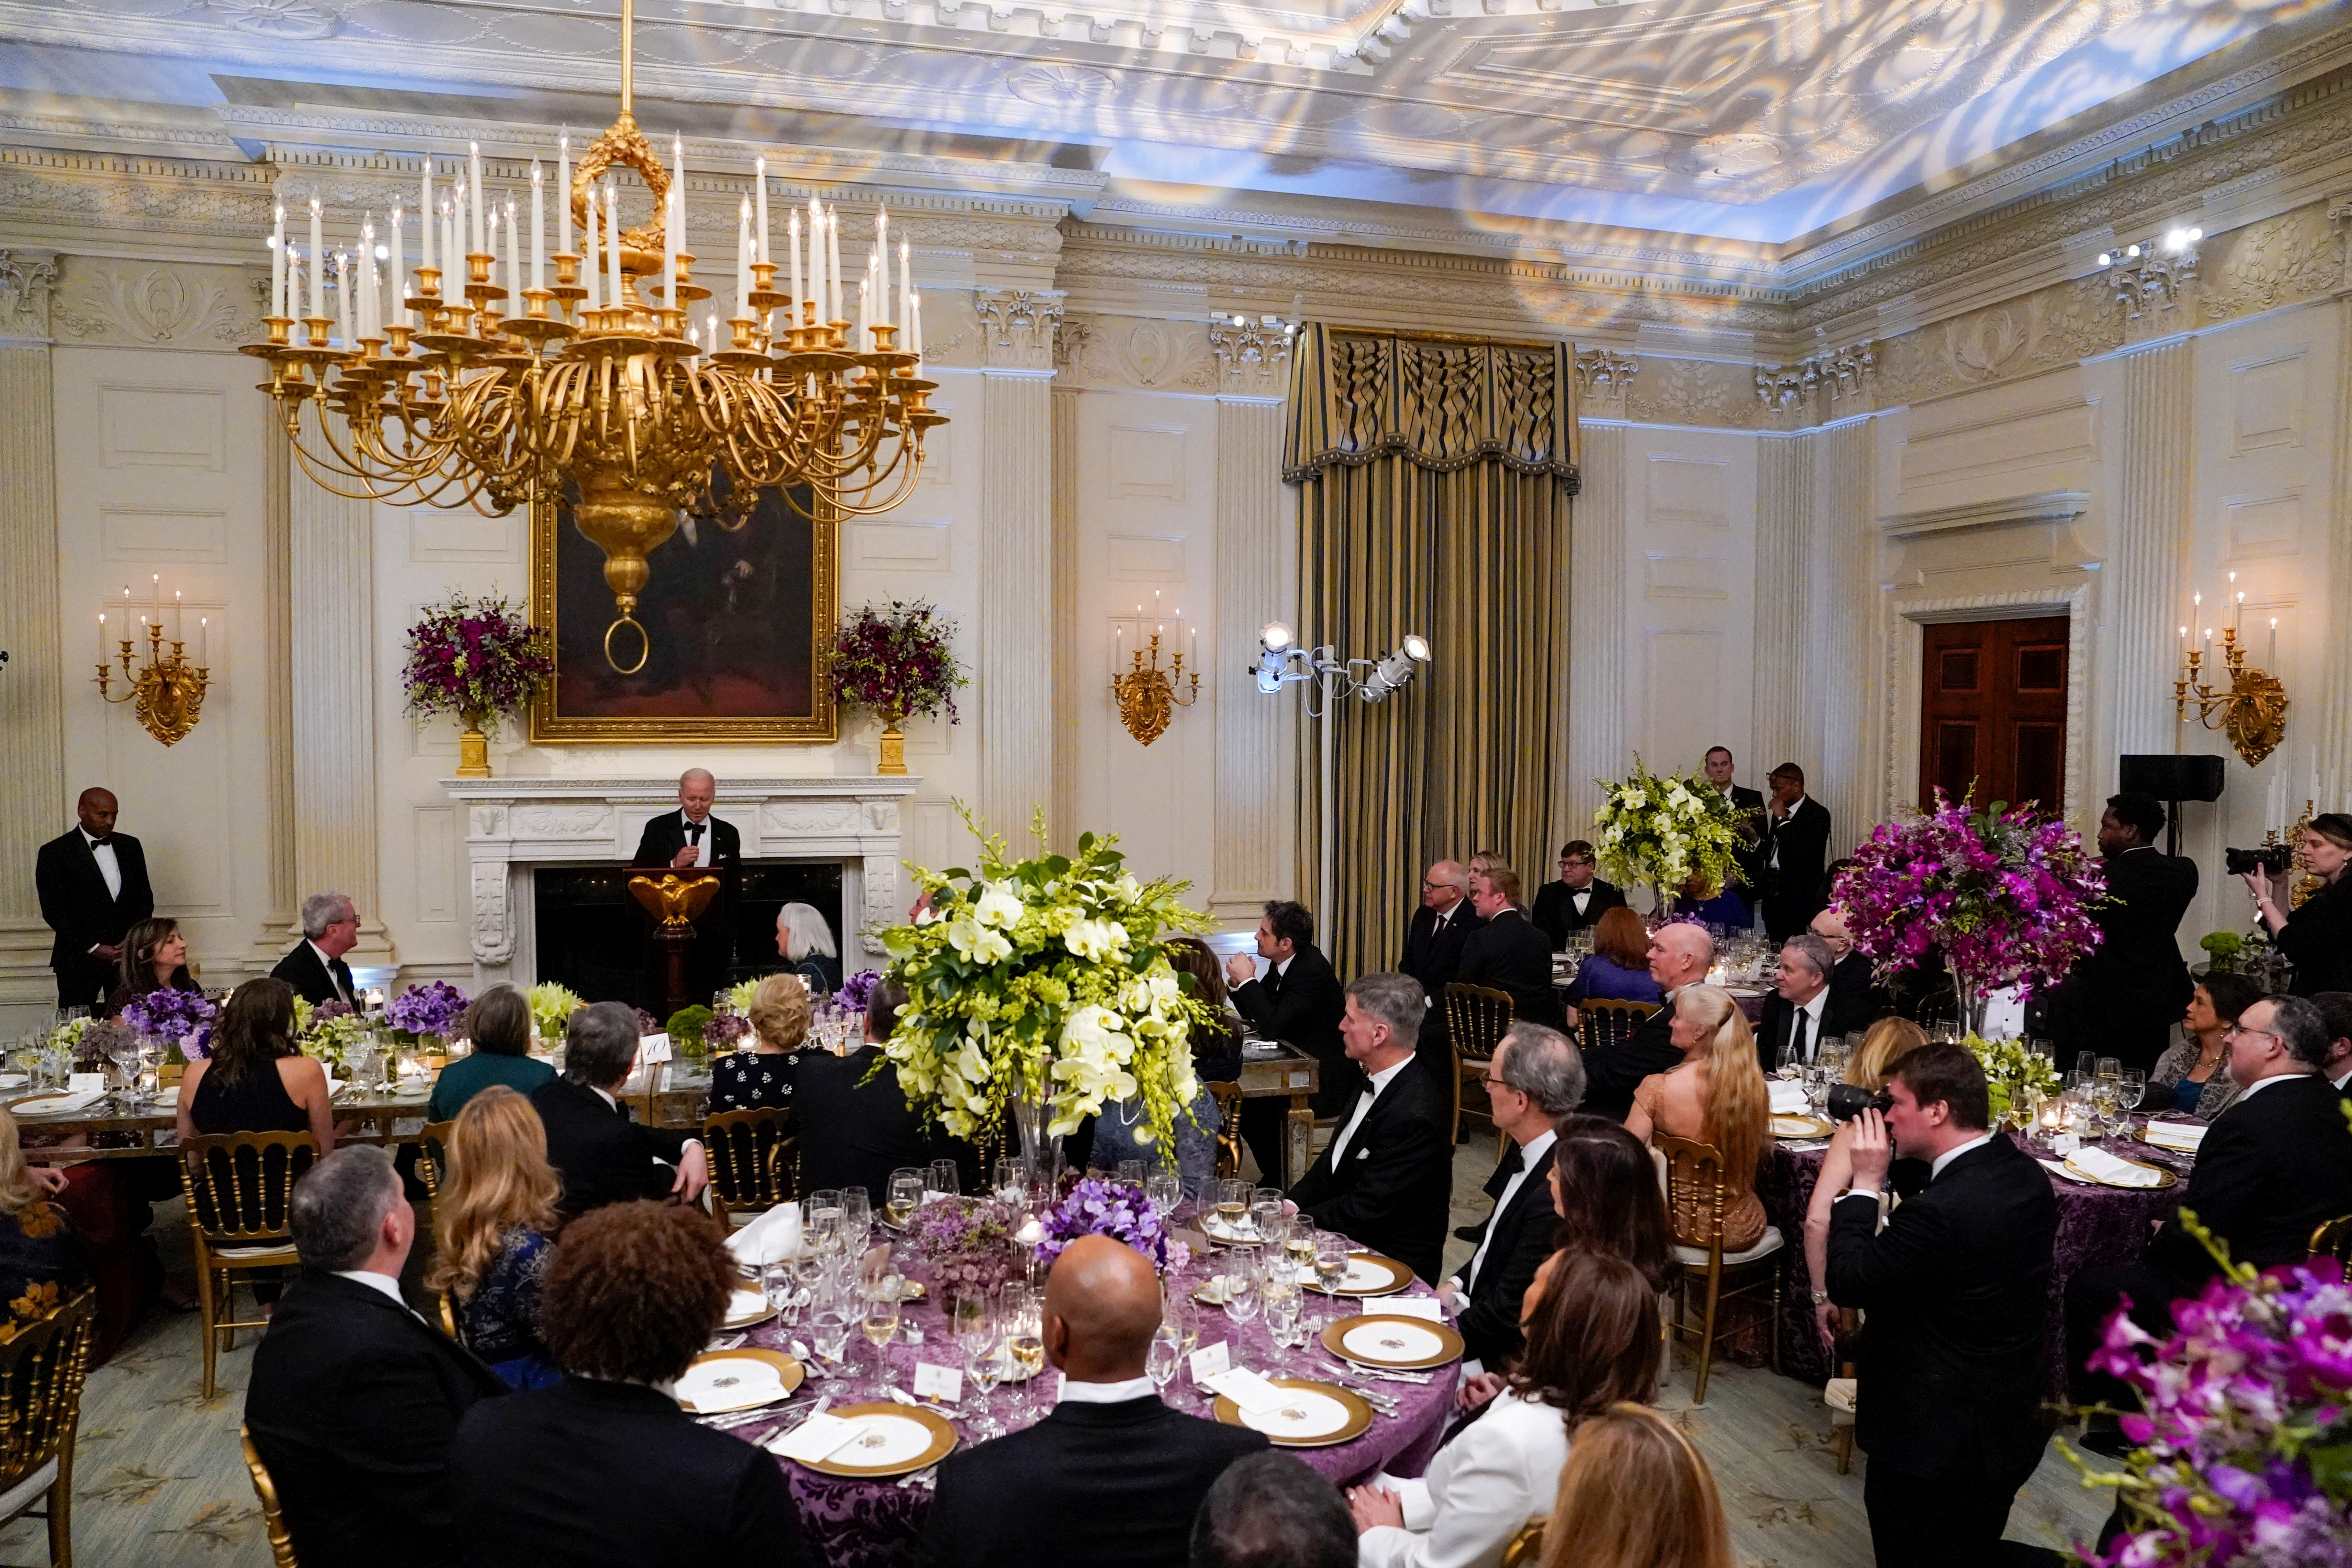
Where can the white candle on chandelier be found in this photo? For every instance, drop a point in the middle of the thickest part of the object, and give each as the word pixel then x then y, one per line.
pixel 318 272
pixel 278 263
pixel 177 625
pixel 857 342
pixel 832 263
pixel 612 246
pixel 474 184
pixel 710 331
pixel 514 264
pixel 906 293
pixel 103 649
pixel 563 194
pixel 397 273
pixel 590 272
pixel 538 226
pixel 915 319
pixel 365 307
pixel 759 185
pixel 490 246
pixel 793 255
pixel 743 260
pixel 343 295
pixel 425 214
pixel 882 272
pixel 816 257
pixel 673 222
pixel 2271 664
pixel 452 285
pixel 293 281
pixel 203 641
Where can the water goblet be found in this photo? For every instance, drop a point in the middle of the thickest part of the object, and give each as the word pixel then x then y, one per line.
pixel 1163 1190
pixel 829 1319
pixel 1282 1307
pixel 984 1364
pixel 1132 1172
pixel 781 1290
pixel 946 1180
pixel 2109 1068
pixel 1265 1207
pixel 856 1219
pixel 1166 1354
pixel 1241 1285
pixel 1021 1313
pixel 2132 1087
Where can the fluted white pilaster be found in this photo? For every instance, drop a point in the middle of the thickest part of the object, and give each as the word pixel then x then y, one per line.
pixel 1015 674
pixel 2335 684
pixel 1062 814
pixel 1785 567
pixel 278 479
pixel 1834 712
pixel 1596 623
pixel 1258 582
pixel 2151 543
pixel 32 758
pixel 332 574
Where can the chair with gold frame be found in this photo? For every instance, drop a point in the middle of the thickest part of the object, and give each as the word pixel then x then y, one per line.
pixel 41 1368
pixel 1477 1017
pixel 1606 1022
pixel 1228 1098
pixel 1696 1196
pixel 433 1156
pixel 2333 1239
pixel 239 1187
pixel 747 1175
pixel 281 1545
pixel 1525 1547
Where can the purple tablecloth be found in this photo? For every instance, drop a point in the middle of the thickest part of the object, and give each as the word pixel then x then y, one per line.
pixel 2096 1227
pixel 877 1524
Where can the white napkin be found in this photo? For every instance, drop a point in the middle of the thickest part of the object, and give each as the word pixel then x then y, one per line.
pixel 2114 1171
pixel 1248 1389
pixel 1787 1096
pixel 66 1104
pixel 2183 1136
pixel 816 1438
pixel 774 1237
pixel 1411 1307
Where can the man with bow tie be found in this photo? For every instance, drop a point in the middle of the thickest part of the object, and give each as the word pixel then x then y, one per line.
pixel 1535 1078
pixel 687 839
pixel 92 885
pixel 315 969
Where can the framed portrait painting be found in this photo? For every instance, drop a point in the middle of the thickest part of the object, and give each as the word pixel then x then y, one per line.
pixel 736 624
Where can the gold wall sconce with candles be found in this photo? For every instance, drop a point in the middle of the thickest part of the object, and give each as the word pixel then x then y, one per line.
pixel 166 691
pixel 2251 708
pixel 1148 695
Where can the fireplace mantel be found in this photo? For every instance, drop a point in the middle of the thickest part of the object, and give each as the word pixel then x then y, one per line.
pixel 514 824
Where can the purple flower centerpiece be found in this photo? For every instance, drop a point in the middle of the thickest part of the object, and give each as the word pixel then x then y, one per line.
pixel 2243 1433
pixel 479 658
pixel 434 1009
pixel 183 1018
pixel 967 1242
pixel 856 992
pixel 1097 1206
pixel 900 663
pixel 725 1032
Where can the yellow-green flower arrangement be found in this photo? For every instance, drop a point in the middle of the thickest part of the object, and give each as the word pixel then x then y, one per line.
pixel 1662 830
pixel 1042 981
pixel 552 1006
pixel 2009 1067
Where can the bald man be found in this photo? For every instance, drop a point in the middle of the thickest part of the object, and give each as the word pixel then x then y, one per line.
pixel 1112 1476
pixel 691 838
pixel 92 884
pixel 1680 956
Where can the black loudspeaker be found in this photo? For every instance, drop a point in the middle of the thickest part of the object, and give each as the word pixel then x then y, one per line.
pixel 2170 777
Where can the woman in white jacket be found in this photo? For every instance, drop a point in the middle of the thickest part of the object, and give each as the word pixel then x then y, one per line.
pixel 1591 1326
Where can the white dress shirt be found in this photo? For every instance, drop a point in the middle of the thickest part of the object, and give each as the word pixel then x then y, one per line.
pixel 1528 1158
pixel 109 867
pixel 1500 1473
pixel 702 850
pixel 1075 1392
pixel 1811 1013
pixel 383 1282
pixel 328 965
pixel 1381 1081
pixel 2261 1083
pixel 1935 1166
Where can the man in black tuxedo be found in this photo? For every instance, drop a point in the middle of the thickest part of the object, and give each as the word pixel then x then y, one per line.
pixel 1577 900
pixel 2273 1167
pixel 1508 954
pixel 1804 1006
pixel 691 838
pixel 1748 807
pixel 1851 975
pixel 2336 1017
pixel 1680 954
pixel 855 1126
pixel 1298 1003
pixel 604 1155
pixel 1796 850
pixel 315 969
pixel 92 885
pixel 1111 1478
pixel 1433 942
pixel 2122 997
pixel 1386 1179
pixel 1535 1078
pixel 354 1398
pixel 1956 1292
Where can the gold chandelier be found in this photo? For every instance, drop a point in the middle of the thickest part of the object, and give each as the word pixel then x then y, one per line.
pixel 494 393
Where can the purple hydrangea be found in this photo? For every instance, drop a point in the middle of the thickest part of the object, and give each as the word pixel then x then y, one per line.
pixel 857 992
pixel 967 1242
pixel 1099 1206
pixel 172 1017
pixel 726 1031
pixel 430 1009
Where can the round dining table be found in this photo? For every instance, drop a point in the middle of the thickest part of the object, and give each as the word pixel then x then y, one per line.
pixel 860 1523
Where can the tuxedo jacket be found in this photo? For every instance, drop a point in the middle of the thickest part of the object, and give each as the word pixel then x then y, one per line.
pixel 1613 1073
pixel 74 900
pixel 1433 956
pixel 1842 1013
pixel 1393 1187
pixel 1302 1008
pixel 1802 841
pixel 1853 979
pixel 1522 1238
pixel 313 981
pixel 615 1475
pixel 1956 1298
pixel 665 836
pixel 1555 912
pixel 1508 954
pixel 353 1404
pixel 1091 1486
pixel 2273 1167
pixel 602 1155
pixel 2136 967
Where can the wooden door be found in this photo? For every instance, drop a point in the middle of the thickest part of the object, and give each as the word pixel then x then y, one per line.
pixel 1992 711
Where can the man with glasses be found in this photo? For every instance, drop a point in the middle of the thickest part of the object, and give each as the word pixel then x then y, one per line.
pixel 1577 900
pixel 1433 942
pixel 1535 1078
pixel 2273 1167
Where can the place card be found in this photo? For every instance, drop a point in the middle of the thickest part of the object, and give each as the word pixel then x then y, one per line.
pixel 652 1049
pixel 944 1384
pixel 1426 1307
pixel 1248 1389
pixel 1208 1361
pixel 815 1440
pixel 86 1083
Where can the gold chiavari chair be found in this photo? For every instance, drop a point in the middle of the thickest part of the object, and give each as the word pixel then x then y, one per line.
pixel 433 1156
pixel 281 1545
pixel 746 1159
pixel 1695 1197
pixel 1228 1097
pixel 1476 1016
pixel 1608 1022
pixel 2333 1239
pixel 1525 1547
pixel 41 1368
pixel 239 1187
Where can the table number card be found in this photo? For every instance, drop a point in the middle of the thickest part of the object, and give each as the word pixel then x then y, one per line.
pixel 652 1049
pixel 1208 1361
pixel 86 1083
pixel 944 1384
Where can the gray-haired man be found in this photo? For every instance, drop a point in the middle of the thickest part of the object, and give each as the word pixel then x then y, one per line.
pixel 315 969
pixel 1535 1078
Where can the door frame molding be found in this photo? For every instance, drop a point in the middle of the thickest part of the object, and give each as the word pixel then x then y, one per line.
pixel 1904 657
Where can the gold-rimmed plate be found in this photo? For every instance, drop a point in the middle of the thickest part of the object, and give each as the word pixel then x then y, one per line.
pixel 1368 1274
pixel 2164 1178
pixel 57 1104
pixel 1789 1125
pixel 1322 1415
pixel 747 1306
pixel 745 1379
pixel 1220 1234
pixel 2188 1152
pixel 1398 1344
pixel 897 1440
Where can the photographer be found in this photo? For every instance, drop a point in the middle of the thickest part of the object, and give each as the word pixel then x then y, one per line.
pixel 2317 938
pixel 1882 1049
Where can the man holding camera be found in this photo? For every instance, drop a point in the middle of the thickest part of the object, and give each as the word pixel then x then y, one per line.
pixel 1955 1289
pixel 2123 997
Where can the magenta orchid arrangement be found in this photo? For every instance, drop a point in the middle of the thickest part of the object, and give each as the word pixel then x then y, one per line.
pixel 434 1009
pixel 170 1017
pixel 2245 1452
pixel 478 659
pixel 2005 894
pixel 899 662
pixel 1098 1207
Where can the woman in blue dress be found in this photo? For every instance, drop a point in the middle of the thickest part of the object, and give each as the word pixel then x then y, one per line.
pixel 494 1231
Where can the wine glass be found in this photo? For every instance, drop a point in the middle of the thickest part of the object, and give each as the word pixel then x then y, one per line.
pixel 822 1219
pixel 1021 1314
pixel 1278 1290
pixel 856 1219
pixel 1233 1207
pixel 2132 1087
pixel 781 1290
pixel 829 1315
pixel 1241 1285
pixel 1163 1190
pixel 946 1180
pixel 1132 1172
pixel 1167 1354
pixel 2109 1068
pixel 1331 1264
pixel 984 1364
pixel 881 1321
pixel 906 1195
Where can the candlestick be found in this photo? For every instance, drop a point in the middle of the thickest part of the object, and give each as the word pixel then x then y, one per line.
pixel 318 272
pixel 277 262
pixel 538 226
pixel 514 265
pixel 343 295
pixel 743 261
pixel 882 273
pixel 203 641
pixel 816 257
pixel 832 263
pixel 563 194
pixel 917 318
pixel 474 184
pixel 793 255
pixel 178 597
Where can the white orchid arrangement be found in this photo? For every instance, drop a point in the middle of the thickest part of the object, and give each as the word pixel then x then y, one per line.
pixel 1661 830
pixel 1042 981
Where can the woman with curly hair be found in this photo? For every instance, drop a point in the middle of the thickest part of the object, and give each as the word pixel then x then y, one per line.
pixel 604 1468
pixel 493 1230
pixel 763 1075
pixel 1717 1097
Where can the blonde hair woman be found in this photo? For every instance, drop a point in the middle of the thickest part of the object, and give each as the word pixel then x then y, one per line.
pixel 40 1262
pixel 493 1232
pixel 762 1076
pixel 1636 1494
pixel 1882 1050
pixel 1717 1096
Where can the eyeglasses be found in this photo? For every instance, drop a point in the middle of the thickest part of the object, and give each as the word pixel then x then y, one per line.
pixel 1427 886
pixel 1490 1083
pixel 1571 860
pixel 2234 1030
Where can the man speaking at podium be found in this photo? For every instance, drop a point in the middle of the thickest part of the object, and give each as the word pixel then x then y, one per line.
pixel 691 838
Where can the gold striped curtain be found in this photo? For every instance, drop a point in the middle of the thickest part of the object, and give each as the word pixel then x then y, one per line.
pixel 1434 477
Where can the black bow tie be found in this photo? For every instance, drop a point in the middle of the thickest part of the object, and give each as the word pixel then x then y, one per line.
pixel 1517 1160
pixel 97 839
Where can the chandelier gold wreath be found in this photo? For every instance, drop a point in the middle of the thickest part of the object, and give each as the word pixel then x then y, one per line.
pixel 493 393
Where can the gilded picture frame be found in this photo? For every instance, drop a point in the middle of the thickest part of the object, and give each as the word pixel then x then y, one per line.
pixel 738 626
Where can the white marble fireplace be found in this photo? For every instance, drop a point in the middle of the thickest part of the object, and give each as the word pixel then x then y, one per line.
pixel 514 824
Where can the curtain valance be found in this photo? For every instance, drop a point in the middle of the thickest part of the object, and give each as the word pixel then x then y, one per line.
pixel 1442 406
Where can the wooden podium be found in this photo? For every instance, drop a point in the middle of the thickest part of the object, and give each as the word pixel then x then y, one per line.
pixel 675 899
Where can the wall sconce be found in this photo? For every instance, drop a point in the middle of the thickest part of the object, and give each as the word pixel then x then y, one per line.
pixel 2151 274
pixel 2251 708
pixel 166 693
pixel 1149 696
